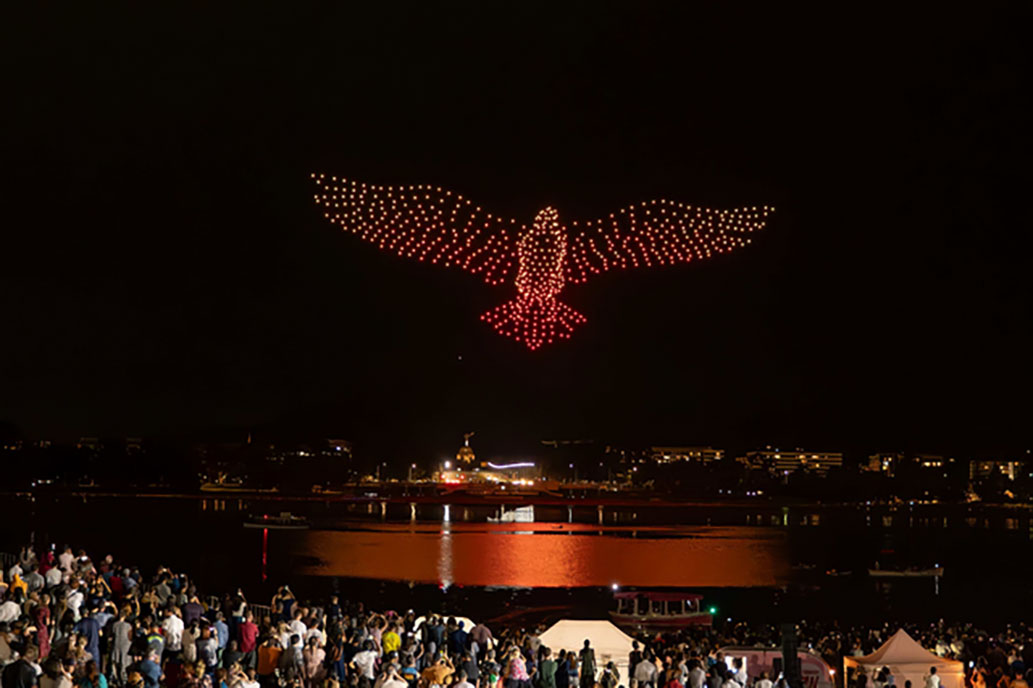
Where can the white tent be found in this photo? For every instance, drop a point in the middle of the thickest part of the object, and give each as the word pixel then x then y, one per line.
pixel 611 644
pixel 909 661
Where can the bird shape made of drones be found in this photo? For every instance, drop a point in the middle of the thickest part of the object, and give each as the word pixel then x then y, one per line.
pixel 436 226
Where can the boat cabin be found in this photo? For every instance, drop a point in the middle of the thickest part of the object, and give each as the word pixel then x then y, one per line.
pixel 659 609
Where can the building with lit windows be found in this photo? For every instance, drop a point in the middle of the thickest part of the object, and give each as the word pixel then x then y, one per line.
pixel 983 469
pixel 886 463
pixel 783 462
pixel 703 455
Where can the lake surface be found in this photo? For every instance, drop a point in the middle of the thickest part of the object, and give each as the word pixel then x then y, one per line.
pixel 552 555
pixel 757 561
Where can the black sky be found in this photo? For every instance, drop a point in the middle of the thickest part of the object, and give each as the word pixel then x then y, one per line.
pixel 165 271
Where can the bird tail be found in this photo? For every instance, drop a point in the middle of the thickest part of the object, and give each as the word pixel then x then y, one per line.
pixel 534 322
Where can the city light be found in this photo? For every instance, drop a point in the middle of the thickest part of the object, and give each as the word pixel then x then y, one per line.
pixel 433 225
pixel 507 466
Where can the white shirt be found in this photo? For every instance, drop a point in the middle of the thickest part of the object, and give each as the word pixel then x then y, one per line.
pixel 285 639
pixel 741 677
pixel 53 577
pixel 763 683
pixel 10 611
pixel 172 629
pixel 74 601
pixel 697 676
pixel 645 671
pixel 65 560
pixel 932 681
pixel 364 660
pixel 298 627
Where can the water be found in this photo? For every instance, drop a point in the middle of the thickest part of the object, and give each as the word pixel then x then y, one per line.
pixel 750 561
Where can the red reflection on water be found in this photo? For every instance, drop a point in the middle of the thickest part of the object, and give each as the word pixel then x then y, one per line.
pixel 265 552
pixel 694 557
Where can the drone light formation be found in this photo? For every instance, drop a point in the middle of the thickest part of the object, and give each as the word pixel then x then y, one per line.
pixel 433 225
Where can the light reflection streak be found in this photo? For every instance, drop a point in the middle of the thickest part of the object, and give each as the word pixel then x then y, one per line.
pixel 703 557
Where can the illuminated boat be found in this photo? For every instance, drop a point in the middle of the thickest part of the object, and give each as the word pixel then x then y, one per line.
pixel 659 611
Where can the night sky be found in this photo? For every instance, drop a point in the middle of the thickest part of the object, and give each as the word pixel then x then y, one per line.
pixel 165 272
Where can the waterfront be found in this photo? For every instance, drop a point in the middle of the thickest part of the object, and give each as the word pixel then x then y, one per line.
pixel 759 560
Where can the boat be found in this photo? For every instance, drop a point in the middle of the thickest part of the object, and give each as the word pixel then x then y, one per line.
pixel 285 521
pixel 935 572
pixel 659 611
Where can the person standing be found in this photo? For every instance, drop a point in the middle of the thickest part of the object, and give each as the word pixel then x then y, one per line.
pixel 248 641
pixel 172 631
pixel 645 671
pixel 611 676
pixel 121 643
pixel 516 671
pixel 88 627
pixel 21 673
pixel 312 663
pixel 222 633
pixel 546 674
pixel 932 680
pixel 587 657
pixel 697 676
pixel 634 657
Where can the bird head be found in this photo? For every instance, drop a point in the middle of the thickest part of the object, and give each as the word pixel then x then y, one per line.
pixel 547 218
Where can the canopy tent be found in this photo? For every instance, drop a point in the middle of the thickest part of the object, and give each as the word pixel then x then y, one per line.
pixel 909 661
pixel 611 644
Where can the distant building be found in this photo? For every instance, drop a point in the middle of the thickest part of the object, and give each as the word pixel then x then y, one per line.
pixel 465 455
pixel 90 443
pixel 930 460
pixel 783 462
pixel 886 463
pixel 341 448
pixel 987 468
pixel 698 454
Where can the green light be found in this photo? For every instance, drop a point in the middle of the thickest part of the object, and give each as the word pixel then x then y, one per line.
pixel 713 610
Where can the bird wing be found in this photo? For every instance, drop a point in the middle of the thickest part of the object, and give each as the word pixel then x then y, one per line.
pixel 422 222
pixel 658 232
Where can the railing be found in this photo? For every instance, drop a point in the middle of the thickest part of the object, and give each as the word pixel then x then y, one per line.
pixel 215 602
pixel 260 610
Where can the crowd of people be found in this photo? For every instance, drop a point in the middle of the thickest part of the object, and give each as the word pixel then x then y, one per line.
pixel 67 621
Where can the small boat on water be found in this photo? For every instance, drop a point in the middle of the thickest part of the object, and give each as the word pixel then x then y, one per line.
pixel 935 572
pixel 659 611
pixel 285 521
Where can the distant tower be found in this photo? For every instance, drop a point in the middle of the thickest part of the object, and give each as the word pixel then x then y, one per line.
pixel 465 455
